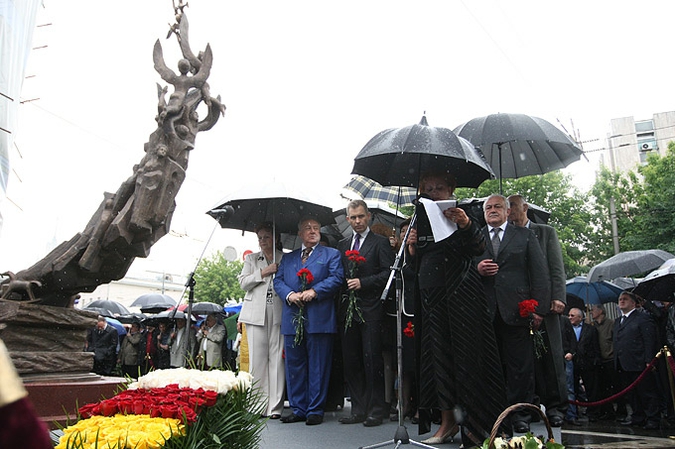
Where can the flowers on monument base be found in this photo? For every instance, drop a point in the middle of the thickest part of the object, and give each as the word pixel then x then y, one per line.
pixel 173 409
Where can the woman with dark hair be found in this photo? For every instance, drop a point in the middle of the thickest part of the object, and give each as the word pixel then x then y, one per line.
pixel 459 368
pixel 261 312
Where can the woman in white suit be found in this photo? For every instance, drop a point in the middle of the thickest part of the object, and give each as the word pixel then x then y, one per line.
pixel 261 312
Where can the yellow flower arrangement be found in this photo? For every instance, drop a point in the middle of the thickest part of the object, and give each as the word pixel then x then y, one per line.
pixel 120 432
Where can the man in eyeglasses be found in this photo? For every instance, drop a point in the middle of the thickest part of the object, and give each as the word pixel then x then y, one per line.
pixel 308 359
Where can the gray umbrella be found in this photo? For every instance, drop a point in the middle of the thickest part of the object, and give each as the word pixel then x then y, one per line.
pixel 517 145
pixel 398 156
pixel 628 263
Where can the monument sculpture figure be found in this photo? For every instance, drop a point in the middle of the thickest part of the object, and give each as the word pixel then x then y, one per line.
pixel 36 313
pixel 129 221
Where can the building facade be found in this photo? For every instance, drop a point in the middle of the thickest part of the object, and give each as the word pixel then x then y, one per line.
pixel 630 141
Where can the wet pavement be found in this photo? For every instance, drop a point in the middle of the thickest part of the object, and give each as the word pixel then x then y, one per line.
pixel 333 435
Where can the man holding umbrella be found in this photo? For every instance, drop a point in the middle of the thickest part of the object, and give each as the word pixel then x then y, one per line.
pixel 307 281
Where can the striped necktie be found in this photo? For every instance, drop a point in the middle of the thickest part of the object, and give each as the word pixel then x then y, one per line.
pixel 305 254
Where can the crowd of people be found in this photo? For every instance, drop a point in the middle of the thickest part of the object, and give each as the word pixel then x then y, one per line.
pixel 160 343
pixel 484 324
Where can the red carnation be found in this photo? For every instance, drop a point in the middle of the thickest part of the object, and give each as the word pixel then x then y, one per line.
pixel 527 307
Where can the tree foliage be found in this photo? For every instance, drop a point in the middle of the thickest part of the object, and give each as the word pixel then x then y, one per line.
pixel 216 279
pixel 643 200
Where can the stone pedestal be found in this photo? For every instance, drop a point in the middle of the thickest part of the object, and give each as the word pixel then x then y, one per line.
pixel 56 398
pixel 46 339
pixel 46 346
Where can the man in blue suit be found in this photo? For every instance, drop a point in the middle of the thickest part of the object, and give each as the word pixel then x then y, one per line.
pixel 308 361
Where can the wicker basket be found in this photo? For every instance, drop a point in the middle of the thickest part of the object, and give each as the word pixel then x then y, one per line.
pixel 512 408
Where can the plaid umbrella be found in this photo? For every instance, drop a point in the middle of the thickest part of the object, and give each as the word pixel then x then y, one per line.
pixel 371 190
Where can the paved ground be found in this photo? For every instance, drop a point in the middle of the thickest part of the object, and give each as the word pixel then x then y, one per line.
pixel 333 435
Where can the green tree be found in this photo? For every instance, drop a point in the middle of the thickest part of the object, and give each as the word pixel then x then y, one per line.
pixel 653 224
pixel 216 279
pixel 617 190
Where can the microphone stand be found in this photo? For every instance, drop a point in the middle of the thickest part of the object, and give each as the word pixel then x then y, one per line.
pixel 401 436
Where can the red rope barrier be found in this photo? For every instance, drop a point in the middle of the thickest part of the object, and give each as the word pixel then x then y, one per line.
pixel 628 388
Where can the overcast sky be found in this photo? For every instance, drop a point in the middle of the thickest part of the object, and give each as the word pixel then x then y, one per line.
pixel 306 85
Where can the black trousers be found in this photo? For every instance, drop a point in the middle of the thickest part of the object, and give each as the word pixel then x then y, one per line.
pixel 364 368
pixel 516 348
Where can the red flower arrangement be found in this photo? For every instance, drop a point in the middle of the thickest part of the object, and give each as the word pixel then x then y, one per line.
pixel 409 330
pixel 355 259
pixel 527 308
pixel 167 402
pixel 306 278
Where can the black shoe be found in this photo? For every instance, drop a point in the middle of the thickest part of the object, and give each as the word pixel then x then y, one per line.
pixel 313 420
pixel 352 419
pixel 521 427
pixel 651 425
pixel 292 418
pixel 573 421
pixel 632 423
pixel 372 422
pixel 555 421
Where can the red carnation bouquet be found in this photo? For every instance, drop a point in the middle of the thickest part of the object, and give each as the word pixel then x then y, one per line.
pixel 409 330
pixel 355 259
pixel 306 278
pixel 527 308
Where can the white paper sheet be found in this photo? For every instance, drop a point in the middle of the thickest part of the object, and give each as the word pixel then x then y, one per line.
pixel 441 227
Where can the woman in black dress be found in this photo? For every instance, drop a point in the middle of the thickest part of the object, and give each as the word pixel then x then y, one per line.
pixel 459 367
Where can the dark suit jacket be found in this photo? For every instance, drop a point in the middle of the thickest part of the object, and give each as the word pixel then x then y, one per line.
pixel 634 341
pixel 586 350
pixel 373 273
pixel 103 344
pixel 326 267
pixel 523 274
pixel 550 246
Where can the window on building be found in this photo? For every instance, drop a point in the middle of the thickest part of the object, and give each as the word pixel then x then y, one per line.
pixel 644 126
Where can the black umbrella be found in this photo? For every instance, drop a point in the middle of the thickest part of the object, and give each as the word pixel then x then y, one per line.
pixel 659 285
pixel 153 302
pixel 629 263
pixel 113 308
pixel 517 145
pixel 276 202
pixel 206 307
pixel 397 157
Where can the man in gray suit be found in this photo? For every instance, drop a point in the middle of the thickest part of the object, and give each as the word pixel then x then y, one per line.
pixel 551 383
pixel 514 270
